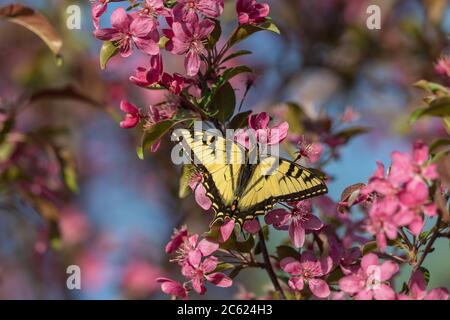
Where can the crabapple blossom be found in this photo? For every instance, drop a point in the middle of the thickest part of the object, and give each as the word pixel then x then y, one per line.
pixel 129 30
pixel 188 40
pixel 132 115
pixel 251 12
pixel 188 10
pixel 298 221
pixel 418 290
pixel 371 280
pixel 308 270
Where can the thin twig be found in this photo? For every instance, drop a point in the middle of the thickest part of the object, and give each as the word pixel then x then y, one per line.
pixel 429 245
pixel 268 264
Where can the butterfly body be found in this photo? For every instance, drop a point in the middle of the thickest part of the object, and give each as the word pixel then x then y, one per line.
pixel 240 189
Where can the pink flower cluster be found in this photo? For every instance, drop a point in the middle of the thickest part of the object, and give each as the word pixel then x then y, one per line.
pixel 197 264
pixel 401 198
pixel 189 26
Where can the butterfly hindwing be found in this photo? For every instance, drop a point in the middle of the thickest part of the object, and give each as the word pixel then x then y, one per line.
pixel 277 180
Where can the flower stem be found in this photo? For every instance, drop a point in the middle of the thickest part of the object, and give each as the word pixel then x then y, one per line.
pixel 268 265
pixel 429 245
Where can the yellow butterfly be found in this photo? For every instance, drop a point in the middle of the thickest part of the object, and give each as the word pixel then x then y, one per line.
pixel 239 189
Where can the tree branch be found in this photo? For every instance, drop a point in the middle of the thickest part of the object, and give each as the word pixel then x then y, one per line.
pixel 268 264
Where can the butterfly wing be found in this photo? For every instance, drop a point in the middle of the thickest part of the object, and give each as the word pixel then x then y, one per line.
pixel 219 161
pixel 276 180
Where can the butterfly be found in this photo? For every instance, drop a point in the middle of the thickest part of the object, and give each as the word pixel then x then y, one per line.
pixel 241 189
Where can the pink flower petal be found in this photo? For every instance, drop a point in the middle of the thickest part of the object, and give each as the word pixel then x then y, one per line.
pixel 369 260
pixel 384 292
pixel 207 247
pixel 291 266
pixel 388 269
pixel 220 280
pixel 128 107
pixel 313 223
pixel 276 216
pixel 200 197
pixel 351 284
pixel 226 230
pixel 251 226
pixel 364 295
pixel 120 19
pixel 297 234
pixel 296 283
pixel 319 288
pixel 438 294
pixel 172 287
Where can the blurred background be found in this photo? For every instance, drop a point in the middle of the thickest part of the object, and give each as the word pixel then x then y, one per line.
pixel 115 213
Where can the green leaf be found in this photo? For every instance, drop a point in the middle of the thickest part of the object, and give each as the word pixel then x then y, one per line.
pixel 35 22
pixel 287 251
pixel 186 174
pixel 214 37
pixel 438 144
pixel 163 41
pixel 369 247
pixel 223 266
pixel 245 246
pixel 431 87
pixel 70 178
pixel 156 132
pixel 222 81
pixel 294 117
pixel 350 133
pixel 439 107
pixel 225 102
pixel 107 51
pixel 236 54
pixel 234 273
pixel 240 120
pixel 244 31
pixel 232 72
pixel 426 274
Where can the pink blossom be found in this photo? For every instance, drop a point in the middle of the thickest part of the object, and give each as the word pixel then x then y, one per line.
pixel 405 167
pixel 157 114
pixel 384 220
pixel 298 221
pixel 154 8
pixel 172 287
pixel 260 131
pixel 442 66
pixel 139 278
pixel 371 280
pixel 188 10
pixel 251 12
pixel 98 9
pixel 147 77
pixel 312 151
pixel 74 226
pixel 128 30
pixel 174 83
pixel 178 238
pixel 132 115
pixel 195 183
pixel 418 290
pixel 192 251
pixel 349 115
pixel 188 39
pixel 204 270
pixel 309 270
